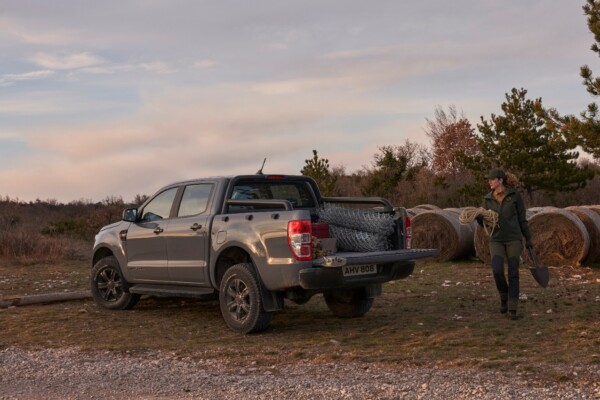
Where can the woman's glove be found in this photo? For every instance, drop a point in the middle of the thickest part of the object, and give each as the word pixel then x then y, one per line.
pixel 529 243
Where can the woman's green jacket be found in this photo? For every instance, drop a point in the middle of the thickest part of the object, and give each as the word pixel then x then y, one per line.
pixel 512 217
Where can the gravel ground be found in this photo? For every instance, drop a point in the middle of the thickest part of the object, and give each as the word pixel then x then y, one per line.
pixel 70 374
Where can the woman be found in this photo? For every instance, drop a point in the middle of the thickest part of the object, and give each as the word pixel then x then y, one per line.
pixel 506 238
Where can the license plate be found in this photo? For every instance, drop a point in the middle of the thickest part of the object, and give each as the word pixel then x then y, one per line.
pixel 355 270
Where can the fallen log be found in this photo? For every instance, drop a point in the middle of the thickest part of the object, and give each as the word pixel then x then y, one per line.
pixel 44 298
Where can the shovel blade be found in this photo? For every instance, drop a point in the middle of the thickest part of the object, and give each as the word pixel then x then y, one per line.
pixel 540 273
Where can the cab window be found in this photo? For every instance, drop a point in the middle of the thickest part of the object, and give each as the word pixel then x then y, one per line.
pixel 297 193
pixel 194 199
pixel 159 207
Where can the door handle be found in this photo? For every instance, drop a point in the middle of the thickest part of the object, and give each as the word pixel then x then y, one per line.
pixel 158 230
pixel 195 227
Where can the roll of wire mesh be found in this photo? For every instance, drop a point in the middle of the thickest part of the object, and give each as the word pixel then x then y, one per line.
pixel 358 229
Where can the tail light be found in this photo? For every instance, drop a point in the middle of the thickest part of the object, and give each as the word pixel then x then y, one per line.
pixel 300 239
pixel 407 232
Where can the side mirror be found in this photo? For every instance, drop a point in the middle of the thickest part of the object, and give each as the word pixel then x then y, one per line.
pixel 130 215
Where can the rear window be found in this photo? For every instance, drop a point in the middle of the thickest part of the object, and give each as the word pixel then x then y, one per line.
pixel 297 193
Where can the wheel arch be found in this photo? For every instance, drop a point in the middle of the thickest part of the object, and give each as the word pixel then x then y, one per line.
pixel 272 301
pixel 101 253
pixel 227 258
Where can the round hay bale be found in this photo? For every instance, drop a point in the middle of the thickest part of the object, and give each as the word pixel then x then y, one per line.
pixel 414 211
pixel 594 208
pixel 591 220
pixel 535 210
pixel 427 207
pixel 481 242
pixel 453 210
pixel 472 226
pixel 559 237
pixel 441 230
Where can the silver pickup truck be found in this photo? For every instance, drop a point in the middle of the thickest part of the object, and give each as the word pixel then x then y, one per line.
pixel 253 241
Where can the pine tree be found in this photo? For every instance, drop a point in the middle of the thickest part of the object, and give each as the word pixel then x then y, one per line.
pixel 531 142
pixel 318 169
pixel 587 132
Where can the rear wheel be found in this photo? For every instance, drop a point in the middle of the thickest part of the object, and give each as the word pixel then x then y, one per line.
pixel 348 303
pixel 240 301
pixel 109 288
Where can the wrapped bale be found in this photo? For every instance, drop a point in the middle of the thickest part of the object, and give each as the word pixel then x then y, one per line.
pixel 559 237
pixel 415 211
pixel 470 227
pixel 481 242
pixel 441 230
pixel 591 219
pixel 593 208
pixel 453 210
pixel 535 210
pixel 429 207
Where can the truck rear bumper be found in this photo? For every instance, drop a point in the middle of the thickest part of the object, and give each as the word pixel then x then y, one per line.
pixel 328 272
pixel 377 257
pixel 319 278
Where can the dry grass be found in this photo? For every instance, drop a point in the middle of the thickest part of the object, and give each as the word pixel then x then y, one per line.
pixel 445 313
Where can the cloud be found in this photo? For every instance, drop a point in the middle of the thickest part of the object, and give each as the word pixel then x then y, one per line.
pixel 28 107
pixel 8 79
pixel 65 62
pixel 158 67
pixel 32 33
pixel 187 132
pixel 205 64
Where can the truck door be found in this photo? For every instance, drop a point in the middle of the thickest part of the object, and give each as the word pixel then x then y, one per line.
pixel 146 243
pixel 188 235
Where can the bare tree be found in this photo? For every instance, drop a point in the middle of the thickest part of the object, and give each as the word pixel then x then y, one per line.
pixel 451 136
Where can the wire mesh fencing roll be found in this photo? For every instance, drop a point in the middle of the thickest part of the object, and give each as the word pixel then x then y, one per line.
pixel 358 229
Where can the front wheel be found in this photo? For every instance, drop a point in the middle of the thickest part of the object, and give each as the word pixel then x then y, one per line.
pixel 108 286
pixel 348 303
pixel 240 301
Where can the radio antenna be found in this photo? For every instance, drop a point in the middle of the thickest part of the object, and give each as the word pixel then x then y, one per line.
pixel 259 172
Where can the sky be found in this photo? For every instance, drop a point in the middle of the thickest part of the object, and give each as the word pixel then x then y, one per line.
pixel 118 98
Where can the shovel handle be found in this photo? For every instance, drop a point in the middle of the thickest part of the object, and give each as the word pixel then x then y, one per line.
pixel 532 256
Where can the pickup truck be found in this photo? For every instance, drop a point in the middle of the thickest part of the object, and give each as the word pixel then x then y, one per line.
pixel 253 241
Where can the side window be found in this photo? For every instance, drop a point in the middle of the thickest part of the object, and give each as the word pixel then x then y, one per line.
pixel 159 207
pixel 194 200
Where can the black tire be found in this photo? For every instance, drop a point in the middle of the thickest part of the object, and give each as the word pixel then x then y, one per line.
pixel 109 288
pixel 348 303
pixel 240 301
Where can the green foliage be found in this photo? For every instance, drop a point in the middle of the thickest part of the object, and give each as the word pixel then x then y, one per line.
pixel 531 142
pixel 587 132
pixel 72 226
pixel 592 10
pixel 318 169
pixel 394 164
